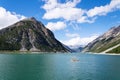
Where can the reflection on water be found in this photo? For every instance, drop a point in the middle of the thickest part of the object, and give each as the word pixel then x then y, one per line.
pixel 59 67
pixel 74 59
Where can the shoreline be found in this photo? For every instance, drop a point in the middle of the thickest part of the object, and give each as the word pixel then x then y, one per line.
pixel 104 53
pixel 35 52
pixel 29 52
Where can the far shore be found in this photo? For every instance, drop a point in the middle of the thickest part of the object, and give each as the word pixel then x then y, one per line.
pixel 29 52
pixel 36 52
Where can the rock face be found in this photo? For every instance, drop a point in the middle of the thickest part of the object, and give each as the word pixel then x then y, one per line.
pixel 29 35
pixel 106 42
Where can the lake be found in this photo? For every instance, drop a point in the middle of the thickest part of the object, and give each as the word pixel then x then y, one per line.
pixel 59 67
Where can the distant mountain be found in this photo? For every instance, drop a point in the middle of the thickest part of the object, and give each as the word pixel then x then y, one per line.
pixel 76 49
pixel 29 35
pixel 108 42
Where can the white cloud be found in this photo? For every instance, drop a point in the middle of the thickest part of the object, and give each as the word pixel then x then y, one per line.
pixel 65 13
pixel 74 25
pixel 103 10
pixel 72 35
pixel 51 4
pixel 77 41
pixel 56 26
pixel 68 11
pixel 7 18
pixel 84 19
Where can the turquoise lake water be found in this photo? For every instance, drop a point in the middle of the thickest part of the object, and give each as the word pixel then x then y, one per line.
pixel 59 67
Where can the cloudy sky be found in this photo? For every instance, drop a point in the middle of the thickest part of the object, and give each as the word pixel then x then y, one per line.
pixel 74 22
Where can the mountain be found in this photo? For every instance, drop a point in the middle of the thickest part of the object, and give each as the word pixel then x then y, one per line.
pixel 79 49
pixel 76 49
pixel 68 48
pixel 29 35
pixel 108 42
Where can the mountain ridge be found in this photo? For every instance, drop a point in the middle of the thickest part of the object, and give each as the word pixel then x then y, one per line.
pixel 29 35
pixel 109 39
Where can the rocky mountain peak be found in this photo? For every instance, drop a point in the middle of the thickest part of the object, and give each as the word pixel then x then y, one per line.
pixel 114 31
pixel 33 18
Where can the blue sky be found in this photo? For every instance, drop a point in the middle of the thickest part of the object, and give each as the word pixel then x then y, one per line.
pixel 74 22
